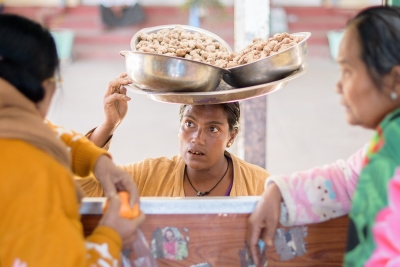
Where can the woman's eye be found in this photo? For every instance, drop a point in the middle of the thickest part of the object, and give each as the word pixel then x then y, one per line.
pixel 189 124
pixel 345 72
pixel 214 129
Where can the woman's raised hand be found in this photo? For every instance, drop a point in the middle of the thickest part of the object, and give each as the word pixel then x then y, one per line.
pixel 263 222
pixel 116 101
pixel 115 108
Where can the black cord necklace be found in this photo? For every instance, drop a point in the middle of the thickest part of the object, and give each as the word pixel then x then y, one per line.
pixel 199 193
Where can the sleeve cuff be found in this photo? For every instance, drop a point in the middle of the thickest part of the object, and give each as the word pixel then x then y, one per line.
pixel 85 158
pixel 108 142
pixel 105 234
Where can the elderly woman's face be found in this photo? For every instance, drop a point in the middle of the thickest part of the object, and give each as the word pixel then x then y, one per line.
pixel 366 104
pixel 203 134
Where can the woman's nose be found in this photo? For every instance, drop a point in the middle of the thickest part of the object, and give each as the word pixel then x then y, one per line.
pixel 339 87
pixel 198 137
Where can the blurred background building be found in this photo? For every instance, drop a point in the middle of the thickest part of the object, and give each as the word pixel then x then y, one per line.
pixel 93 39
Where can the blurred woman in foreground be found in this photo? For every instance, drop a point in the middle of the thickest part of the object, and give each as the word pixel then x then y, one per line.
pixel 39 200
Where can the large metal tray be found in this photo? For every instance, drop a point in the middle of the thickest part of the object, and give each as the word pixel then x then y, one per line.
pixel 223 94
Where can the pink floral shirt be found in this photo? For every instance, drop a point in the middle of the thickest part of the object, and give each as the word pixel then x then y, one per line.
pixel 321 193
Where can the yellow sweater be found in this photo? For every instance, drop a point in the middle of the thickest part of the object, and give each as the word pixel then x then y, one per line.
pixel 40 221
pixel 163 177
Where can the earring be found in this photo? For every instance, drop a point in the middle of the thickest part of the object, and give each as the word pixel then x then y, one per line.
pixel 229 144
pixel 393 95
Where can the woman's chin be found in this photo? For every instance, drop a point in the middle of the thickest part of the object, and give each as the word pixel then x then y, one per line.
pixel 352 122
pixel 194 165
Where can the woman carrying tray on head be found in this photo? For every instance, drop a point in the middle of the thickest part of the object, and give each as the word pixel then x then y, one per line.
pixel 203 167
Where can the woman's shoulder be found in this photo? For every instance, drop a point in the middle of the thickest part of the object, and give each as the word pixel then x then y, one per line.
pixel 24 154
pixel 152 165
pixel 247 166
pixel 162 160
pixel 20 159
pixel 18 149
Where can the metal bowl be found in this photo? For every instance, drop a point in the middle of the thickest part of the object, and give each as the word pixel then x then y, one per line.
pixel 223 94
pixel 161 73
pixel 135 38
pixel 271 68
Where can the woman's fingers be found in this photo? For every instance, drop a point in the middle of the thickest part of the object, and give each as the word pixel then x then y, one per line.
pixel 111 99
pixel 253 235
pixel 122 90
pixel 123 181
pixel 115 85
pixel 272 225
pixel 137 222
pixel 114 202
pixel 128 185
pixel 126 228
pixel 263 222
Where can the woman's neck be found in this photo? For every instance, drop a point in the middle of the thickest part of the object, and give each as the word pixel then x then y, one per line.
pixel 213 182
pixel 210 175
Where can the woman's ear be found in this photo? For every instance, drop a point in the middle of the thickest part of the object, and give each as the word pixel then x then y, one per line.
pixel 391 83
pixel 232 137
pixel 396 77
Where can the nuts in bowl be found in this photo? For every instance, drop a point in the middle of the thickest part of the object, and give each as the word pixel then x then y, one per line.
pixel 266 61
pixel 183 41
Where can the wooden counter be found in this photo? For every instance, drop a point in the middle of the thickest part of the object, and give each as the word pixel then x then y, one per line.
pixel 213 229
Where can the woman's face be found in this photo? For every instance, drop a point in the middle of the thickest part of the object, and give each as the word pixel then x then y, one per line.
pixel 169 235
pixel 204 134
pixel 366 104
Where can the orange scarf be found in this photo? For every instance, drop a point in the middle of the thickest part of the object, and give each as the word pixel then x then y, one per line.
pixel 20 119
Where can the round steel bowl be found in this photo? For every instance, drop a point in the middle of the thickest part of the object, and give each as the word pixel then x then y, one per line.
pixel 223 94
pixel 271 68
pixel 135 38
pixel 171 74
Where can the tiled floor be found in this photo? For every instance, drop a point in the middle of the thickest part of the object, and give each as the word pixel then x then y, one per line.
pixel 306 124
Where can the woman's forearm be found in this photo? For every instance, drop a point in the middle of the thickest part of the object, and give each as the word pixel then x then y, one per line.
pixel 102 134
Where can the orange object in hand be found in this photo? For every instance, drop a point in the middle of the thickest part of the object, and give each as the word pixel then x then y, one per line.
pixel 125 210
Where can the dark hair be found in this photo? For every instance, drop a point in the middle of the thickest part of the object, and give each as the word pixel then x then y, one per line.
pixel 232 111
pixel 379 33
pixel 28 55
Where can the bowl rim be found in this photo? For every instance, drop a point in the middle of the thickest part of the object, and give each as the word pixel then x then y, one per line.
pixel 124 52
pixel 186 27
pixel 234 91
pixel 307 35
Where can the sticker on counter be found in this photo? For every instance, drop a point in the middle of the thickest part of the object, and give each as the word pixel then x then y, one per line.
pixel 170 243
pixel 290 243
pixel 245 256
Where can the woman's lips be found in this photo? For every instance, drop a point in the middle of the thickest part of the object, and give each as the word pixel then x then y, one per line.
pixel 195 152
